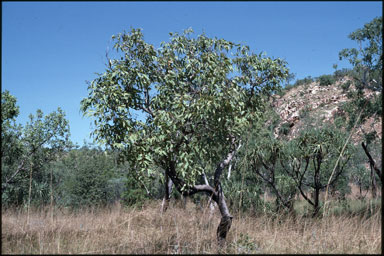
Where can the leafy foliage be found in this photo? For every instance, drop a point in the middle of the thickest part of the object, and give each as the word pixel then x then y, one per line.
pixel 368 58
pixel 28 151
pixel 326 80
pixel 367 61
pixel 85 175
pixel 193 99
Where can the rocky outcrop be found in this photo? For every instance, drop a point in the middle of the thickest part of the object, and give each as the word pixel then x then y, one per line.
pixel 318 102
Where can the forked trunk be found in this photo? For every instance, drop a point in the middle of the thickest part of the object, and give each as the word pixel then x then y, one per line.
pixel 215 193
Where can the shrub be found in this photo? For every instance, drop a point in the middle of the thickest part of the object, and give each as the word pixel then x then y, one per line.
pixel 284 129
pixel 345 86
pixel 338 74
pixel 304 81
pixel 326 80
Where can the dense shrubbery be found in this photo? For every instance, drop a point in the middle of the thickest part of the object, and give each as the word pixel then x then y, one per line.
pixel 326 80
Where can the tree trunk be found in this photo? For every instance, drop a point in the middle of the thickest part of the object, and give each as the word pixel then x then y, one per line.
pixel 215 193
pixel 168 190
pixel 371 161
pixel 29 192
pixel 373 182
pixel 226 218
pixel 316 207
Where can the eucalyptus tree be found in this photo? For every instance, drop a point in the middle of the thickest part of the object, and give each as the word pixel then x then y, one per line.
pixel 182 107
pixel 11 146
pixel 367 60
pixel 26 152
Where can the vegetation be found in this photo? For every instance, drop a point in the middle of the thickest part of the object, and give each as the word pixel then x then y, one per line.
pixel 180 230
pixel 326 80
pixel 190 119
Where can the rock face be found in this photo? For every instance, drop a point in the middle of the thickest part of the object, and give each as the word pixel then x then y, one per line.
pixel 318 102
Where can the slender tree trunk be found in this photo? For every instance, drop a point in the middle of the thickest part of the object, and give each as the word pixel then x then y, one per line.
pixel 371 161
pixel 226 218
pixel 29 193
pixel 361 195
pixel 168 191
pixel 316 207
pixel 373 183
pixel 51 185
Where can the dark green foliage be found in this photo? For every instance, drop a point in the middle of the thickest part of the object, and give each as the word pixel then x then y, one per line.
pixel 28 151
pixel 304 81
pixel 345 86
pixel 262 156
pixel 243 191
pixel 367 63
pixel 326 80
pixel 367 60
pixel 312 157
pixel 345 72
pixel 195 106
pixel 284 129
pixel 191 102
pixel 88 176
pixel 134 194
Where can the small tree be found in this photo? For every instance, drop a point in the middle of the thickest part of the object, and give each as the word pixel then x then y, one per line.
pixel 310 159
pixel 194 101
pixel 367 61
pixel 27 151
pixel 263 157
pixel 11 149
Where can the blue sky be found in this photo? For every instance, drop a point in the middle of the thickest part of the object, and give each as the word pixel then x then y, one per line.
pixel 49 49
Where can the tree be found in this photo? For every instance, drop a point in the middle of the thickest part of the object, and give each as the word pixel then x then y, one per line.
pixel 311 158
pixel 180 107
pixel 367 61
pixel 11 146
pixel 368 58
pixel 263 157
pixel 27 151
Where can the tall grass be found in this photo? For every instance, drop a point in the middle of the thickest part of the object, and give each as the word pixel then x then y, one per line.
pixel 183 230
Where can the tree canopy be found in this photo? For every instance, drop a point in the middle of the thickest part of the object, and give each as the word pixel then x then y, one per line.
pixel 187 101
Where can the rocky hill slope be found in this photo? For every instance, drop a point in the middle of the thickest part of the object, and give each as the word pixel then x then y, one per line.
pixel 320 103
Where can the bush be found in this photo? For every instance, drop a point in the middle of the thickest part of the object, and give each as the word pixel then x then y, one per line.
pixel 86 176
pixel 304 81
pixel 338 74
pixel 284 129
pixel 345 86
pixel 326 80
pixel 135 194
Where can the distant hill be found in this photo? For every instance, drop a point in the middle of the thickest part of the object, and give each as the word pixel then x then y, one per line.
pixel 299 104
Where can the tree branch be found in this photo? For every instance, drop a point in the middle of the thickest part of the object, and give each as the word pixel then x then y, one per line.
pixel 220 167
pixel 371 161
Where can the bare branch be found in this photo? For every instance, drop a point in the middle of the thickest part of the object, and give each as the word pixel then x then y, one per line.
pixel 371 161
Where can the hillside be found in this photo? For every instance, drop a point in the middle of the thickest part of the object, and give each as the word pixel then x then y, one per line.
pixel 322 103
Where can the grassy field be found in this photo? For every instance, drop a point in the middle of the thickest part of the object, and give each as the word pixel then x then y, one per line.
pixel 184 230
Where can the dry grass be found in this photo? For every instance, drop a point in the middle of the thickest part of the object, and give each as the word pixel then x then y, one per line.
pixel 179 230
